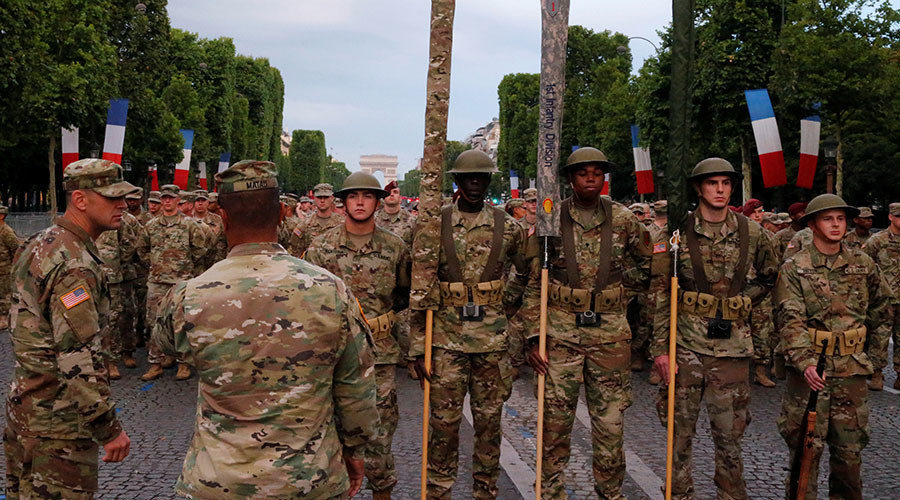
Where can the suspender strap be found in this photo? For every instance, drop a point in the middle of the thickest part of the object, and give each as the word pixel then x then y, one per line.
pixel 491 270
pixel 743 264
pixel 568 237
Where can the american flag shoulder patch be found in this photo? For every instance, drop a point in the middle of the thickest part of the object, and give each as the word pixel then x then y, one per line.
pixel 297 232
pixel 659 247
pixel 75 297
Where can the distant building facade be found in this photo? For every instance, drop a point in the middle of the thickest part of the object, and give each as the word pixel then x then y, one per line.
pixel 486 139
pixel 386 164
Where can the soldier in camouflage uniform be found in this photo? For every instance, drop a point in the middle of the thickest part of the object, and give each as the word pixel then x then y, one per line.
pixel 862 223
pixel 142 270
pixel 154 204
pixel 287 393
pixel 214 203
pixel 288 222
pixel 470 344
pixel 735 268
pixel 339 207
pixel 376 265
pixel 322 220
pixel 884 248
pixel 762 320
pixel 530 196
pixel 660 267
pixel 58 408
pixel 9 244
pixel 305 208
pixel 795 211
pixel 604 249
pixel 516 284
pixel 515 208
pixel 175 246
pixel 216 231
pixel 810 285
pixel 801 239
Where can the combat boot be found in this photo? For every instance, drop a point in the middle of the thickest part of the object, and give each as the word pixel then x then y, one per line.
pixel 654 377
pixel 4 322
pixel 113 369
pixel 637 363
pixel 183 373
pixel 381 495
pixel 168 362
pixel 129 361
pixel 153 373
pixel 876 383
pixel 779 368
pixel 897 382
pixel 762 378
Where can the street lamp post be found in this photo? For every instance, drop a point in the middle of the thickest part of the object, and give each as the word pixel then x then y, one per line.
pixel 829 151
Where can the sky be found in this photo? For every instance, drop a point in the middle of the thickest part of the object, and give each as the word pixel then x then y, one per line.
pixel 356 69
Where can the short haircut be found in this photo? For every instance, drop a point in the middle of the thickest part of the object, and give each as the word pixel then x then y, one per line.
pixel 252 209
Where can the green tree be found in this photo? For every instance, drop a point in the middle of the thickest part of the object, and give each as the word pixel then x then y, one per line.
pixel 409 186
pixel 519 109
pixel 308 158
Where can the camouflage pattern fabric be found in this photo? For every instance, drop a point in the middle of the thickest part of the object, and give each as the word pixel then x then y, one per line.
pixel 60 387
pixel 54 469
pixel 307 231
pixel 144 217
pixel 659 271
pixel 400 223
pixel 723 381
pixel 762 320
pixel 487 378
pixel 286 229
pixel 784 237
pixel 155 294
pixel 853 240
pixel 380 470
pixel 802 239
pixel 117 248
pixel 142 270
pixel 174 246
pixel 9 244
pixel 884 248
pixel 300 372
pixel 604 371
pixel 218 245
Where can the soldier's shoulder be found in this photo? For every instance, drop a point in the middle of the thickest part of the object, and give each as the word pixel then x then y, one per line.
pixel 56 247
pixel 328 238
pixel 622 215
pixel 859 257
pixel 389 238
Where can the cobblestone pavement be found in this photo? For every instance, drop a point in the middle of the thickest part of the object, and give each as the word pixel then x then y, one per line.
pixel 158 417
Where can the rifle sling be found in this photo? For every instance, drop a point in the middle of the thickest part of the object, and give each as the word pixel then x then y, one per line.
pixel 454 269
pixel 743 265
pixel 568 239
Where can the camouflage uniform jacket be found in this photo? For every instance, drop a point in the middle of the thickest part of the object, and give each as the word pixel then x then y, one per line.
pixel 117 248
pixel 313 226
pixel 218 247
pixel 400 223
pixel 175 246
pixel 784 237
pixel 472 239
pixel 720 257
pixel 848 293
pixel 286 229
pixel 286 376
pixel 60 388
pixel 9 244
pixel 144 217
pixel 884 248
pixel 378 274
pixel 661 263
pixel 629 266
pixel 801 239
pixel 854 240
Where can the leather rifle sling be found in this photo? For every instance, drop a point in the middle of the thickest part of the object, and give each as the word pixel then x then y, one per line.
pixel 568 237
pixel 491 270
pixel 740 271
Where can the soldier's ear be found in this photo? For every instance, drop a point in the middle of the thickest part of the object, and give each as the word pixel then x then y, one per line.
pixel 226 222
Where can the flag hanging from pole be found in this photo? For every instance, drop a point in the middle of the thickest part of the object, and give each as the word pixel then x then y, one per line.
pixel 224 162
pixel 115 130
pixel 183 167
pixel 643 170
pixel 202 178
pixel 69 146
pixel 605 189
pixel 768 141
pixel 154 178
pixel 810 128
pixel 513 183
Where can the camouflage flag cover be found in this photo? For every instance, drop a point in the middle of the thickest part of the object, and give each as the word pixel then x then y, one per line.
pixel 680 158
pixel 554 37
pixel 426 243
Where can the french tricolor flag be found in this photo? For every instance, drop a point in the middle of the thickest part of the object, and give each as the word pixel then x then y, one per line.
pixel 768 142
pixel 154 178
pixel 69 146
pixel 184 167
pixel 115 130
pixel 643 170
pixel 513 183
pixel 605 188
pixel 224 161
pixel 202 178
pixel 810 128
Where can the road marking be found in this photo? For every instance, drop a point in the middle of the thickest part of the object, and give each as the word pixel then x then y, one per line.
pixel 634 466
pixel 518 471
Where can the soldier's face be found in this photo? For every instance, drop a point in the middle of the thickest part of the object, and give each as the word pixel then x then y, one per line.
pixel 895 223
pixel 473 186
pixel 153 207
pixel 830 225
pixel 133 205
pixel 186 208
pixel 105 213
pixel 757 215
pixel 169 205
pixel 305 206
pixel 715 191
pixel 323 203
pixel 587 181
pixel 531 207
pixel 360 205
pixel 863 222
pixel 394 198
pixel 201 206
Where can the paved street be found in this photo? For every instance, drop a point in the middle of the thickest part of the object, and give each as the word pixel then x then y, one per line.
pixel 159 417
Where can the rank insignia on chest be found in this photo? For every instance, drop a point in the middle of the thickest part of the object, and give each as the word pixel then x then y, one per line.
pixel 856 270
pixel 75 297
pixel 659 247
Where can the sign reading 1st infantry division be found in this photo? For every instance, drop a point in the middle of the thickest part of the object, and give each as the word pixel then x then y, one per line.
pixel 555 25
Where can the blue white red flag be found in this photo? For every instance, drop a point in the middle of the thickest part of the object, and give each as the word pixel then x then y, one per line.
pixel 202 178
pixel 154 179
pixel 224 162
pixel 115 130
pixel 810 128
pixel 513 183
pixel 643 169
pixel 768 141
pixel 69 146
pixel 183 167
pixel 605 189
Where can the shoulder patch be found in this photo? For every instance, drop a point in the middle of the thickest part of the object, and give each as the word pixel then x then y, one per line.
pixel 297 231
pixel 75 297
pixel 790 245
pixel 531 231
pixel 659 247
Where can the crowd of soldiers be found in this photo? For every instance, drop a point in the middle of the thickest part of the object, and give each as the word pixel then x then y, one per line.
pixel 294 313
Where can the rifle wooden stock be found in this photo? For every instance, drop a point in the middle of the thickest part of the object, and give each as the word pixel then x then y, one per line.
pixel 803 458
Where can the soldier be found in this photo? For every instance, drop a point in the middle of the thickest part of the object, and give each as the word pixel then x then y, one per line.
pixel 305 206
pixel 862 223
pixel 660 264
pixel 175 246
pixel 784 221
pixel 339 207
pixel 810 283
pixel 604 249
pixel 288 222
pixel 287 394
pixel 641 211
pixel 801 239
pixel 218 247
pixel 530 196
pixel 392 216
pixel 59 409
pixel 322 220
pixel 771 222
pixel 753 210
pixel 727 267
pixel 795 211
pixel 154 203
pixel 884 248
pixel 186 203
pixel 133 201
pixel 214 203
pixel 383 293
pixel 9 244
pixel 470 344
pixel 515 208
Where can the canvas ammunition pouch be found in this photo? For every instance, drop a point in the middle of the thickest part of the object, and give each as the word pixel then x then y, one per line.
pixel 577 300
pixel 381 326
pixel 709 306
pixel 488 293
pixel 839 343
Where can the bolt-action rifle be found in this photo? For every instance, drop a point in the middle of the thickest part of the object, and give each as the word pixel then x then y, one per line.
pixel 803 458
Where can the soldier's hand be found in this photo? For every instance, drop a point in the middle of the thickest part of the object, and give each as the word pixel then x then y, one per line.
pixel 536 361
pixel 661 365
pixel 813 380
pixel 117 449
pixel 356 469
pixel 422 372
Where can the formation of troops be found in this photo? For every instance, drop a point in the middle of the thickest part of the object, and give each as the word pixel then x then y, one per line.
pixel 294 315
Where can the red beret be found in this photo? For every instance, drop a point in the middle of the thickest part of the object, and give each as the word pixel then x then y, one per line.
pixel 796 208
pixel 751 205
pixel 391 185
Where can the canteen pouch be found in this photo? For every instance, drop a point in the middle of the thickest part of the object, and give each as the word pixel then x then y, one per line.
pixel 689 302
pixel 707 305
pixel 748 307
pixel 852 341
pixel 718 328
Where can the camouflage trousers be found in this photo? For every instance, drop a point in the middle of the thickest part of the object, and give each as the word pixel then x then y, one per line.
pixel 379 458
pixel 140 308
pixel 725 382
pixel 605 373
pixel 641 323
pixel 57 469
pixel 878 350
pixel 402 329
pixel 515 334
pixel 762 329
pixel 6 285
pixel 118 337
pixel 155 294
pixel 487 378
pixel 842 421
